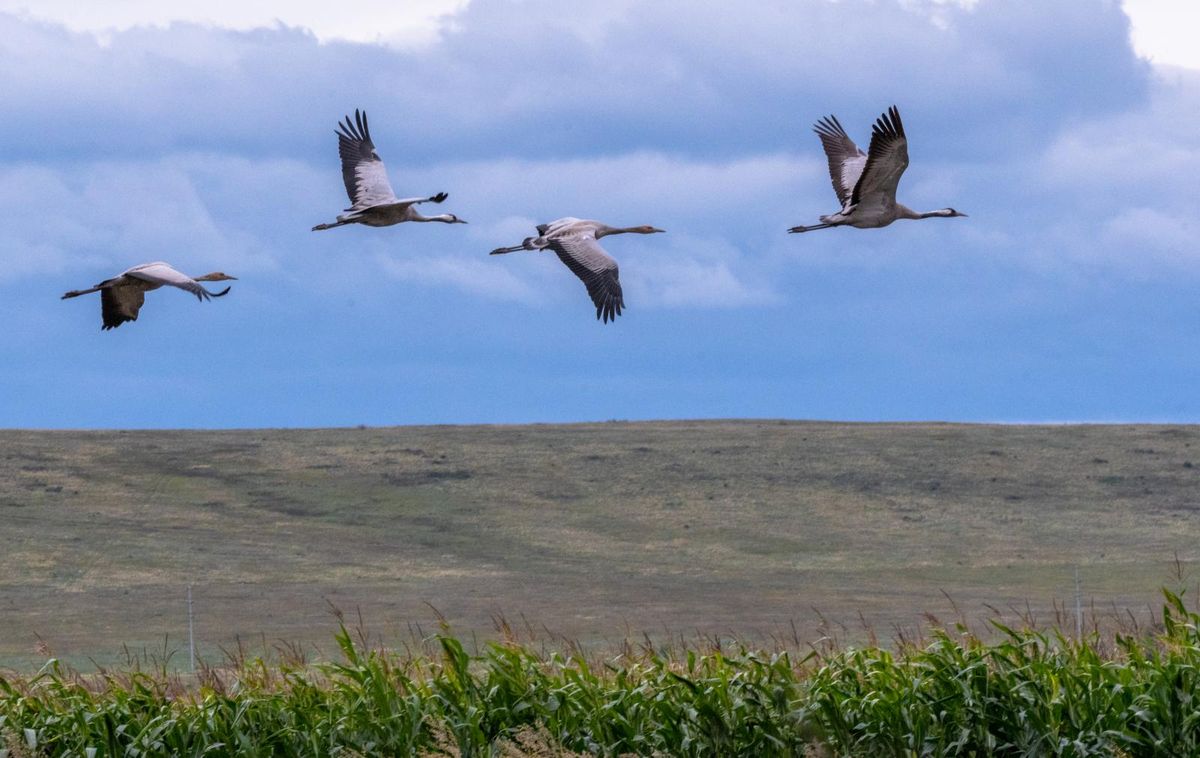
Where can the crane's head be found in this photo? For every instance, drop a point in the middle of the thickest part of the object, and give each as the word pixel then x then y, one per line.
pixel 449 218
pixel 216 276
pixel 647 229
pixel 951 213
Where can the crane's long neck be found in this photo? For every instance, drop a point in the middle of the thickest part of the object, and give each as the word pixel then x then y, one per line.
pixel 604 231
pixel 445 218
pixel 903 211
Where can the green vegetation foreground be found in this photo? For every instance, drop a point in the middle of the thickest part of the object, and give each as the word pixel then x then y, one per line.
pixel 1030 693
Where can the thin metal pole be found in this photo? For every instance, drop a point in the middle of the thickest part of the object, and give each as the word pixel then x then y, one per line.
pixel 1079 608
pixel 191 632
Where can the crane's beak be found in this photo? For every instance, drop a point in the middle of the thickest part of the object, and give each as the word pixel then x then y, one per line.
pixel 654 229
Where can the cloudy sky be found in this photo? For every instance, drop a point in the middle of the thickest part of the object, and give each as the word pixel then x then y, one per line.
pixel 202 134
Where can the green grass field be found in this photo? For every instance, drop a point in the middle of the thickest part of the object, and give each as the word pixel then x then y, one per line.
pixel 593 531
pixel 1028 693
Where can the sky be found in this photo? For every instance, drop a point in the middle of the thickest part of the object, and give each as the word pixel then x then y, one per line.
pixel 202 134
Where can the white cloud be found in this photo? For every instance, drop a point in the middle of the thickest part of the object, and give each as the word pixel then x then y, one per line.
pixel 1148 149
pixel 687 270
pixel 524 79
pixel 1117 193
pixel 383 21
pixel 30 258
pixel 483 277
pixel 216 146
pixel 690 283
pixel 1165 30
pixel 1153 236
pixel 104 217
pixel 640 187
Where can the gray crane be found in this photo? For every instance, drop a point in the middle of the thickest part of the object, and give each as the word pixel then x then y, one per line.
pixel 576 242
pixel 865 183
pixel 372 201
pixel 123 296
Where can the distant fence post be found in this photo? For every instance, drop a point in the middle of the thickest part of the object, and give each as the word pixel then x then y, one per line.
pixel 1078 608
pixel 191 631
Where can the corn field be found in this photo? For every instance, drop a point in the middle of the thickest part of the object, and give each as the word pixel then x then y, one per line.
pixel 1025 692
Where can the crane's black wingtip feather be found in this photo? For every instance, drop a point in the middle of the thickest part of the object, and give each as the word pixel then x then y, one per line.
pixel 356 129
pixel 888 125
pixel 827 125
pixel 608 310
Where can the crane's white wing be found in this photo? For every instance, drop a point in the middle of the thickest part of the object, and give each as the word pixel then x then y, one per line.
pixel 557 226
pixel 596 268
pixel 886 160
pixel 161 274
pixel 362 168
pixel 846 160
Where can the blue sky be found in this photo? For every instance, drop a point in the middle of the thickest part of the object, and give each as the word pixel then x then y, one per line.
pixel 1068 294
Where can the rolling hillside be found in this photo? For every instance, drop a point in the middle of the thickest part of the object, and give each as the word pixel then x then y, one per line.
pixel 590 530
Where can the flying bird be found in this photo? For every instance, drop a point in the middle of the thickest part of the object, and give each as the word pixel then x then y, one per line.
pixel 576 242
pixel 865 183
pixel 372 201
pixel 122 296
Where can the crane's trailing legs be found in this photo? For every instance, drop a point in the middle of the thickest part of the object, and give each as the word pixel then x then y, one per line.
pixel 526 245
pixel 798 229
pixel 77 293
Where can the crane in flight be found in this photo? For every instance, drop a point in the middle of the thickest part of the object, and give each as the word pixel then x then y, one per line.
pixel 865 183
pixel 123 296
pixel 576 242
pixel 372 201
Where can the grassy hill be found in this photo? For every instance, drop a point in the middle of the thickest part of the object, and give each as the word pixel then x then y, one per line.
pixel 590 530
